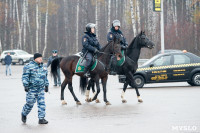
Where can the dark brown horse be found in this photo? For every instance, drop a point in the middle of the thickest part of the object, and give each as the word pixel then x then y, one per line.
pixel 68 66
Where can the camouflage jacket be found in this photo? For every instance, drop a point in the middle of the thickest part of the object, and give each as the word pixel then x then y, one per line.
pixel 34 75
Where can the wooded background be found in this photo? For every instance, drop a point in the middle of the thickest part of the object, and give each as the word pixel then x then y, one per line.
pixel 44 25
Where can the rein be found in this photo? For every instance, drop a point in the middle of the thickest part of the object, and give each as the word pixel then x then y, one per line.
pixel 107 53
pixel 104 66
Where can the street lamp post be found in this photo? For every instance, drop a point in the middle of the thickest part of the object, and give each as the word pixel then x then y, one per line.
pixel 162 28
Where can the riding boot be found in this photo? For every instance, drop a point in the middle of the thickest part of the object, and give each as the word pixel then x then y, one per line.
pixel 113 66
pixel 113 72
pixel 86 72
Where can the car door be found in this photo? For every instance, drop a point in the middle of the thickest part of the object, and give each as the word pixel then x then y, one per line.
pixel 14 57
pixel 159 70
pixel 181 69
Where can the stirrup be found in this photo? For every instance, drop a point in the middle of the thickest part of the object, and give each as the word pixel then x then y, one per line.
pixel 87 74
pixel 113 73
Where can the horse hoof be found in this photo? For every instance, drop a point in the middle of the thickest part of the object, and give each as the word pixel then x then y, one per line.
pixel 97 101
pixel 108 103
pixel 87 100
pixel 140 100
pixel 124 101
pixel 90 100
pixel 64 103
pixel 78 103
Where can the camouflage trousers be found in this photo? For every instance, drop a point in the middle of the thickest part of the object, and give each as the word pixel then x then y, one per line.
pixel 32 96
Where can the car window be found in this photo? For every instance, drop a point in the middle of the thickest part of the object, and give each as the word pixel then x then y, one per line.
pixel 22 53
pixel 162 61
pixel 181 59
pixel 150 60
pixel 12 53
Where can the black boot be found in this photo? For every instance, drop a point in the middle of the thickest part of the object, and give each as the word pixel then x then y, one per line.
pixel 23 118
pixel 113 70
pixel 43 121
pixel 112 73
pixel 113 64
pixel 86 72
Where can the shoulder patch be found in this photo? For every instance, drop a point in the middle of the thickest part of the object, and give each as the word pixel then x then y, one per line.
pixel 111 35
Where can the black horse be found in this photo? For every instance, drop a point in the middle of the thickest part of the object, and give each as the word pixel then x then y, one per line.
pixel 68 67
pixel 129 67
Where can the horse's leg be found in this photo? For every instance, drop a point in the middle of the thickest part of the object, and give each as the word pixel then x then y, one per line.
pixel 64 83
pixel 124 90
pixel 135 86
pixel 70 87
pixel 93 90
pixel 98 89
pixel 104 82
pixel 87 92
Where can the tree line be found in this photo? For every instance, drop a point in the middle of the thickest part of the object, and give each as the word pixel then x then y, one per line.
pixel 44 25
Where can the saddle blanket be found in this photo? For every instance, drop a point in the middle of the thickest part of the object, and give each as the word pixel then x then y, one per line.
pixel 80 66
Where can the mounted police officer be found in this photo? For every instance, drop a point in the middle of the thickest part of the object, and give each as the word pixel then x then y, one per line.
pixel 51 58
pixel 116 32
pixel 91 46
pixel 35 82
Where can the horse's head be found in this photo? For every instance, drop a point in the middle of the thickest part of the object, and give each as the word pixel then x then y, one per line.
pixel 116 48
pixel 144 41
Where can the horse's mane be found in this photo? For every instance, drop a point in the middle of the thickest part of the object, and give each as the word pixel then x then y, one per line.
pixel 131 46
pixel 104 47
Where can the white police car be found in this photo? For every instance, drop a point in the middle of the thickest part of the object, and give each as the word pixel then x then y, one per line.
pixel 18 56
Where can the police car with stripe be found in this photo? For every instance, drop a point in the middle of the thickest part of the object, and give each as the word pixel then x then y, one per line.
pixel 169 67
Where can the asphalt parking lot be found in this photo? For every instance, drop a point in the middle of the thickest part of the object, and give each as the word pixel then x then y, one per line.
pixel 167 108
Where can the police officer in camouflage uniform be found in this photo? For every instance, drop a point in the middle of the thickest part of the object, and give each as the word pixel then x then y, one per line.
pixel 35 82
pixel 51 58
pixel 91 46
pixel 116 32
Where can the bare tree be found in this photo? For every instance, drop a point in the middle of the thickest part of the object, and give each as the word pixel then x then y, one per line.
pixel 109 4
pixel 19 26
pixel 37 25
pixel 133 17
pixel 77 25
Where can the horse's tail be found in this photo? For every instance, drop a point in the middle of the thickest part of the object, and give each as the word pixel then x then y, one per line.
pixel 54 66
pixel 83 84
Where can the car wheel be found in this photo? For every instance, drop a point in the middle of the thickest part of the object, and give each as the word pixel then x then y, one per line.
pixel 190 83
pixel 3 62
pixel 21 62
pixel 196 79
pixel 139 81
pixel 14 63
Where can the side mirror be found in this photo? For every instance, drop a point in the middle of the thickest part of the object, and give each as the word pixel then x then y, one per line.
pixel 151 65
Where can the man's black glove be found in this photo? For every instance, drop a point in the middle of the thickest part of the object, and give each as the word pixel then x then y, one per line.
pixel 26 89
pixel 96 51
pixel 46 89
